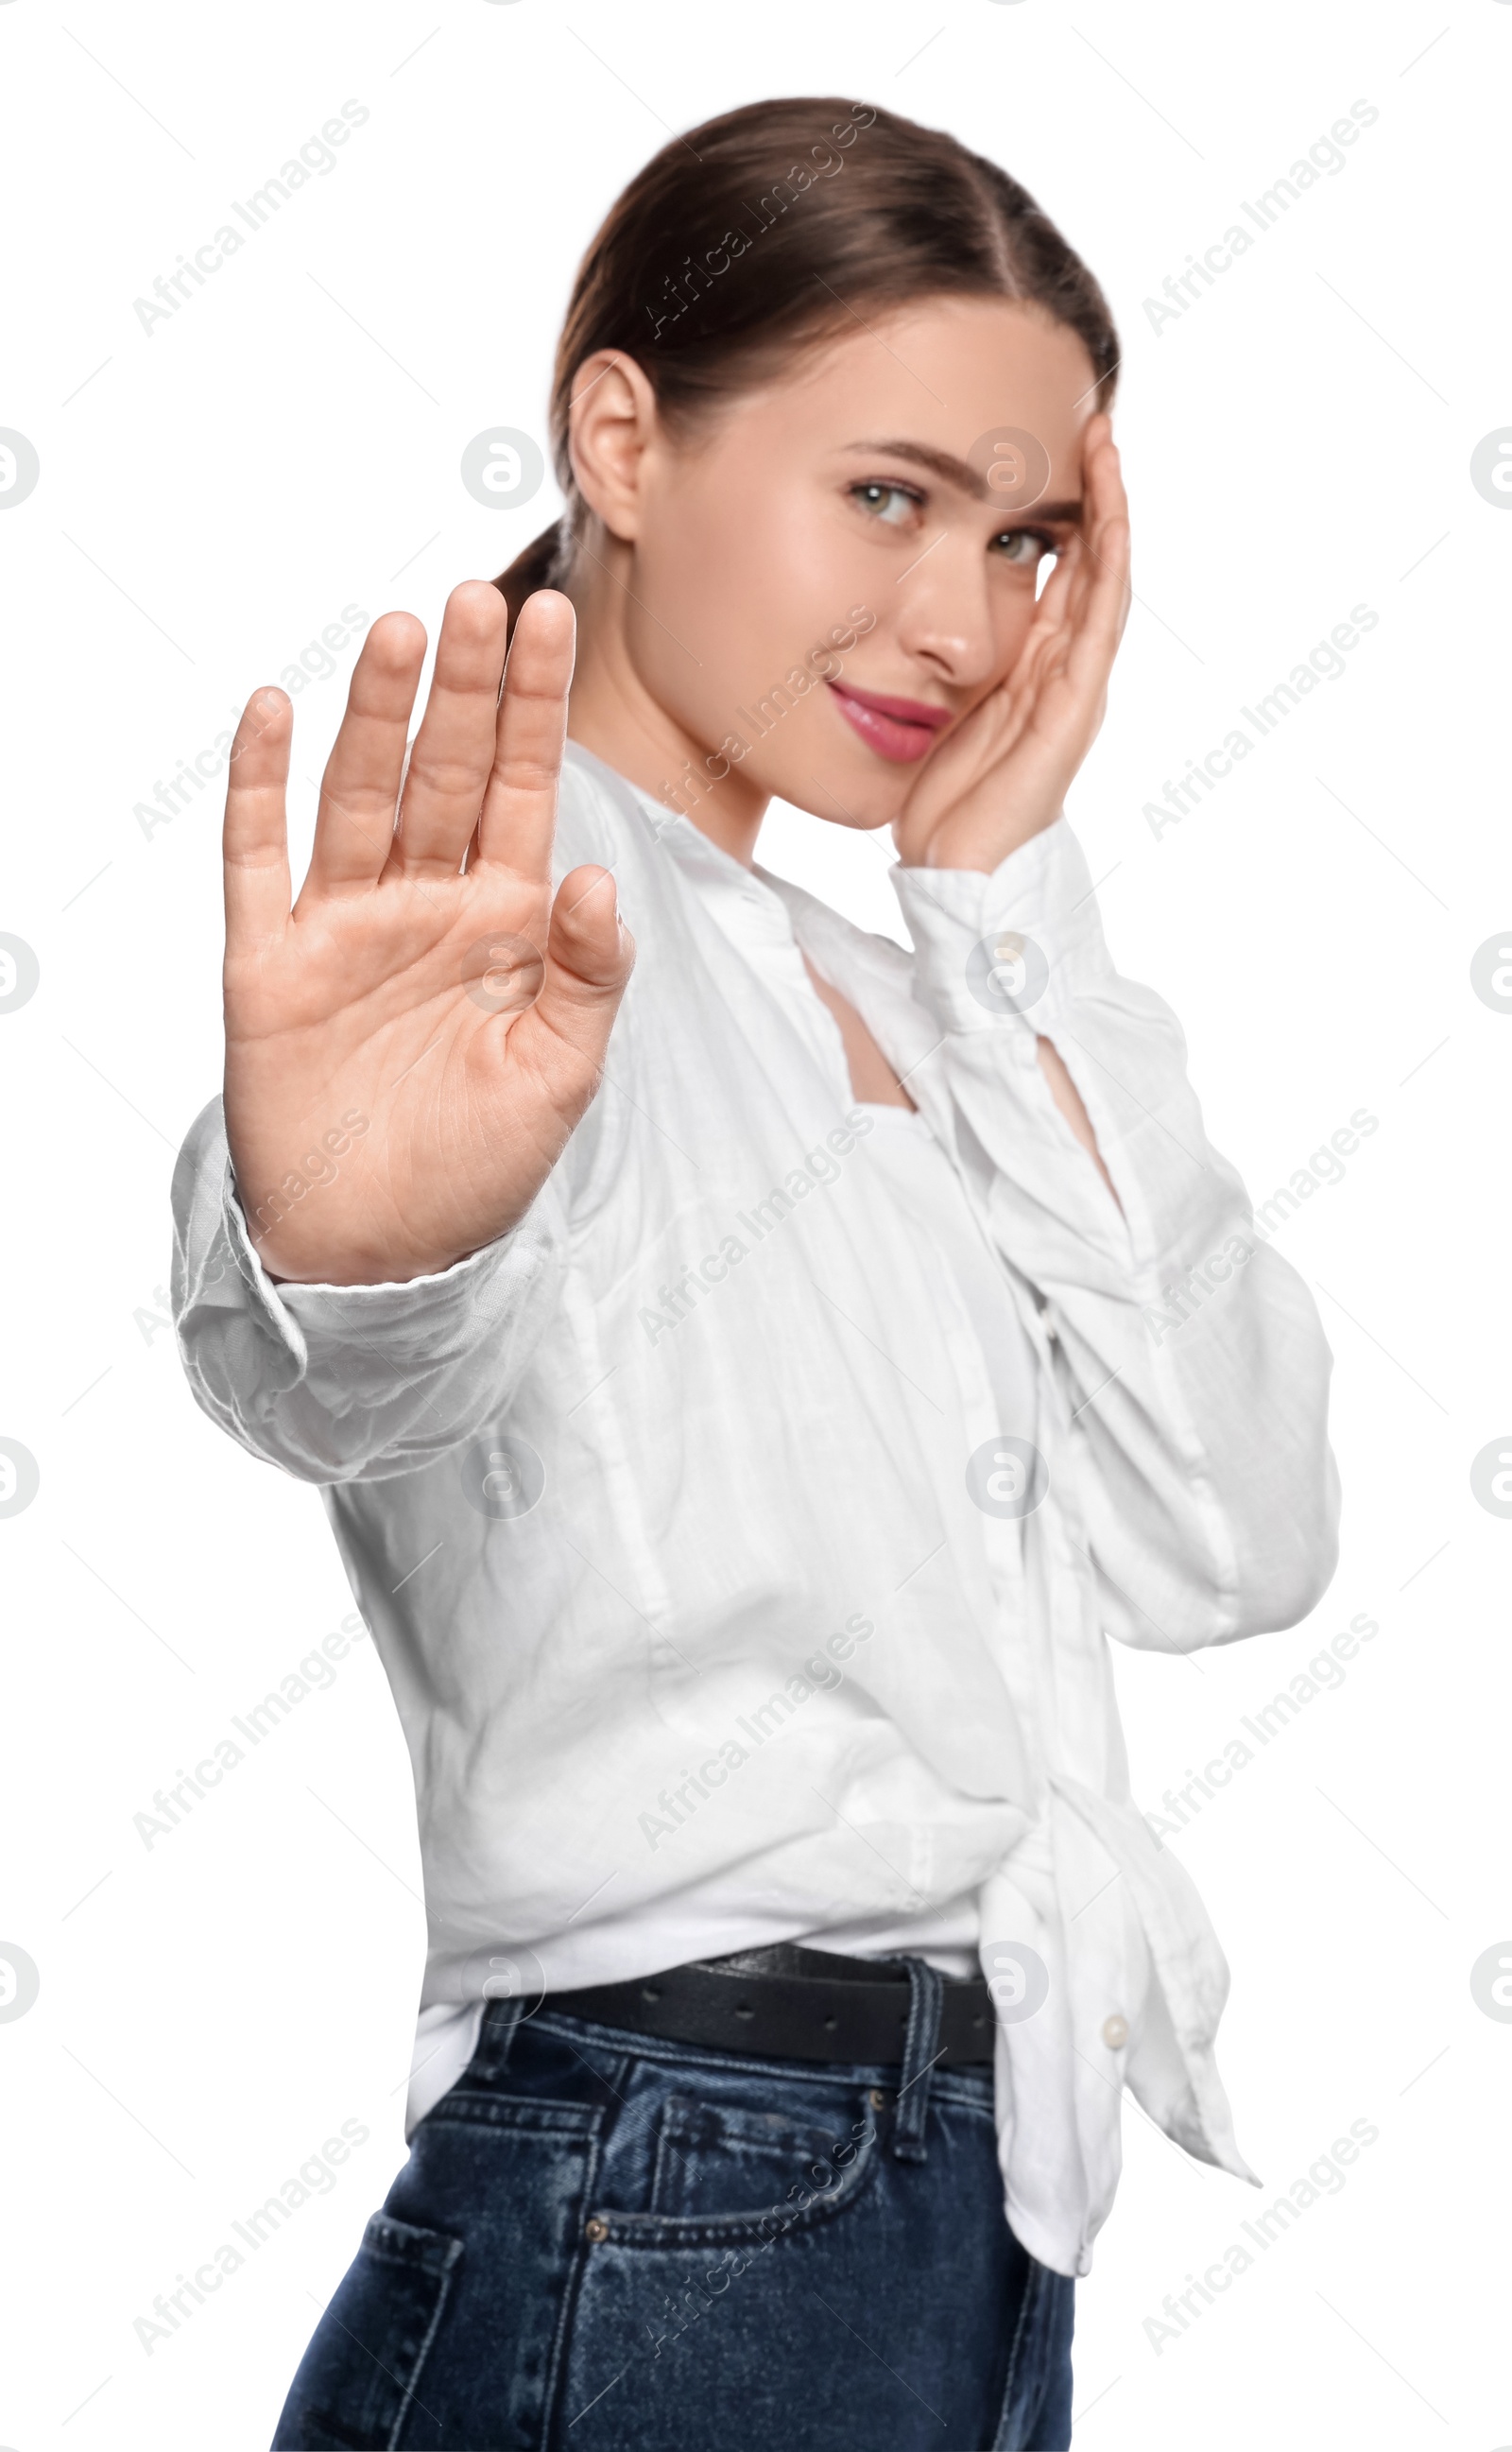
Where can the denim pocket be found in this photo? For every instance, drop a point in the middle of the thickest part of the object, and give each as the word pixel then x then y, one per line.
pixel 723 2173
pixel 361 2375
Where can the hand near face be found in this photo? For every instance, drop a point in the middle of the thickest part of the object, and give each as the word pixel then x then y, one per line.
pixel 1002 775
pixel 408 1049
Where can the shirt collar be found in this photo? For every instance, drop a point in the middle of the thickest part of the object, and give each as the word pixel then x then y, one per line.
pixel 746 899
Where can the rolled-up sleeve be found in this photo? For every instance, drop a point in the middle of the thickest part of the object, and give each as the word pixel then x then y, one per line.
pixel 1191 1352
pixel 342 1383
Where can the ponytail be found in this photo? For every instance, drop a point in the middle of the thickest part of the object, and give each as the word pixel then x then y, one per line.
pixel 544 563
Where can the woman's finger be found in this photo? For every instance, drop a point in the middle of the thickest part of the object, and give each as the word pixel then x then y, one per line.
pixel 255 842
pixel 1106 609
pixel 454 748
pixel 1102 607
pixel 520 805
pixel 589 957
pixel 354 826
pixel 1053 615
pixel 1107 498
pixel 1052 611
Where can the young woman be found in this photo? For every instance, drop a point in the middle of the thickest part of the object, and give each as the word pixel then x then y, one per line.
pixel 748 1390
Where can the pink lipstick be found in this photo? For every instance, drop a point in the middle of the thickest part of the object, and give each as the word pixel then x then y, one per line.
pixel 899 728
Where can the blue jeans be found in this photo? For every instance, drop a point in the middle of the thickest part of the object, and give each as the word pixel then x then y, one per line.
pixel 602 2242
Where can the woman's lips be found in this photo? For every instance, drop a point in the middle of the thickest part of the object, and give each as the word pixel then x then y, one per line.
pixel 900 728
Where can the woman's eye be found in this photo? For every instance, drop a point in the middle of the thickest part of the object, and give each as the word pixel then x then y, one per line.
pixel 1025 547
pixel 893 505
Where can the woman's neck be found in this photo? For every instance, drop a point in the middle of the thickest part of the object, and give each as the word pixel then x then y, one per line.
pixel 612 713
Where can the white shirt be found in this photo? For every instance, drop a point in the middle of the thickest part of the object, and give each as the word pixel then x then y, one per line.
pixel 682 1515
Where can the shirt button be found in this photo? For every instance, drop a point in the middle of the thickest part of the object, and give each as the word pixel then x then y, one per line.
pixel 595 2230
pixel 877 2099
pixel 1115 2033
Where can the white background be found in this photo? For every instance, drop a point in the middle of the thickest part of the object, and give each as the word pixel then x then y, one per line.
pixel 211 495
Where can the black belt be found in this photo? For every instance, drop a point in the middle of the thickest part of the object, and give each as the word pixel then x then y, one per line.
pixel 787 2003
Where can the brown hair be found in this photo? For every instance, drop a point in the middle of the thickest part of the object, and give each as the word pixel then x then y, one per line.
pixel 762 231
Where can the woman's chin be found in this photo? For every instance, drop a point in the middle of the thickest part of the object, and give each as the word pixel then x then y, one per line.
pixel 864 803
pixel 842 782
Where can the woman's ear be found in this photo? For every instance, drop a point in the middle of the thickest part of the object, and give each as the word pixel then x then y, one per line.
pixel 614 420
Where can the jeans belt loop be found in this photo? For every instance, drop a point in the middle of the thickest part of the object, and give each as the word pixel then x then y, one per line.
pixel 920 2051
pixel 495 2038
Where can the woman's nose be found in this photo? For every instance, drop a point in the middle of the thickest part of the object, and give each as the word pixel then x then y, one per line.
pixel 946 619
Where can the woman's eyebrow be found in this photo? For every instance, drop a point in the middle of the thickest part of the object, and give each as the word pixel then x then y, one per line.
pixel 961 473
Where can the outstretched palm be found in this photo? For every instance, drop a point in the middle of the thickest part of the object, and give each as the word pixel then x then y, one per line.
pixel 409 1047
